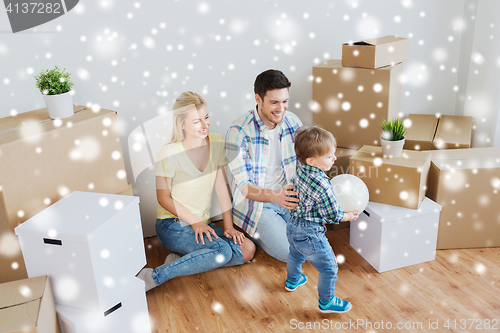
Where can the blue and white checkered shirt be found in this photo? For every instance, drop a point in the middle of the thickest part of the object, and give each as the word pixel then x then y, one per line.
pixel 247 149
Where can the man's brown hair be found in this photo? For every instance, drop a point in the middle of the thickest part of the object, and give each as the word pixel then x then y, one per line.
pixel 270 80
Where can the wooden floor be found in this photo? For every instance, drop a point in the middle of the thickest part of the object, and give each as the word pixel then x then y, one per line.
pixel 458 285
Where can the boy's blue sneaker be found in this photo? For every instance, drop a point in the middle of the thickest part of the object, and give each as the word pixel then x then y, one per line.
pixel 336 305
pixel 291 286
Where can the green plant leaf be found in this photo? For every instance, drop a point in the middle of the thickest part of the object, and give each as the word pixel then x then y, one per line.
pixel 53 82
pixel 393 129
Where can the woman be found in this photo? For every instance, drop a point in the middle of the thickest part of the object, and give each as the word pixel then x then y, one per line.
pixel 187 170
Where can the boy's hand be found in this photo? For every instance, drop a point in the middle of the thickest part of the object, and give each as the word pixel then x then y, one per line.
pixel 285 197
pixel 350 216
pixel 354 215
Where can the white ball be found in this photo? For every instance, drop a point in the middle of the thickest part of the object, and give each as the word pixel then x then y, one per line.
pixel 351 192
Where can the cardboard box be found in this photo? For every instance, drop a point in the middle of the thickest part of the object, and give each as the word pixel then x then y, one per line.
pixel 12 265
pixel 446 132
pixel 89 244
pixel 27 306
pixel 341 165
pixel 453 132
pixel 391 237
pixel 128 191
pixel 43 159
pixel 421 133
pixel 351 102
pixel 393 181
pixel 128 314
pixel 466 183
pixel 11 258
pixel 375 53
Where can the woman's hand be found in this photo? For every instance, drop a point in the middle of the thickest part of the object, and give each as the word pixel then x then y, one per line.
pixel 201 229
pixel 237 236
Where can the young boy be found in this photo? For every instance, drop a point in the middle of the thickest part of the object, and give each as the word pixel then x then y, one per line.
pixel 315 149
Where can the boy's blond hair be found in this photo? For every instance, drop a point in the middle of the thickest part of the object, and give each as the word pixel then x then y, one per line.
pixel 313 141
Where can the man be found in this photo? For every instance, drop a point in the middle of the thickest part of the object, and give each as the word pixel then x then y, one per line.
pixel 262 161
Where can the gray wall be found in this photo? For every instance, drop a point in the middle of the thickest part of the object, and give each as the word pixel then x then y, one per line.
pixel 136 57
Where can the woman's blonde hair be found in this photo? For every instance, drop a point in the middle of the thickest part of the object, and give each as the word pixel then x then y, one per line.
pixel 182 106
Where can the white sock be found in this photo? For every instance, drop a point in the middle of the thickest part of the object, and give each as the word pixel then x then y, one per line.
pixel 171 257
pixel 146 275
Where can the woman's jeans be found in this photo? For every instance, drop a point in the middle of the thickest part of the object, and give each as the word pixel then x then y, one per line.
pixel 308 242
pixel 197 258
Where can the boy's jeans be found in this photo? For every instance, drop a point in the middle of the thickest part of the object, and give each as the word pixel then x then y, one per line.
pixel 197 258
pixel 308 242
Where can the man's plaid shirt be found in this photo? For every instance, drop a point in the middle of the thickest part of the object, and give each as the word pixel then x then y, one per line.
pixel 317 200
pixel 247 148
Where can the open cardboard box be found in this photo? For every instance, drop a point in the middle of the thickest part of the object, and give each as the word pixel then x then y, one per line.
pixel 352 101
pixel 429 132
pixel 27 306
pixel 375 53
pixel 392 181
pixel 421 133
pixel 466 183
pixel 453 132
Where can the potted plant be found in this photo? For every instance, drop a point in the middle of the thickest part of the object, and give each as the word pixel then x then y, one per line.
pixel 55 86
pixel 393 137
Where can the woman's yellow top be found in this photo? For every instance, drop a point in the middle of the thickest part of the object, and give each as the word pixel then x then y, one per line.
pixel 191 188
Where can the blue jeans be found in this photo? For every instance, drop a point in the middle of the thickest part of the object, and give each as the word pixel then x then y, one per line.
pixel 308 242
pixel 197 258
pixel 270 234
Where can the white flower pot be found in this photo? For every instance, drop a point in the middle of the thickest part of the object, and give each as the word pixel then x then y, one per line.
pixel 59 106
pixel 392 149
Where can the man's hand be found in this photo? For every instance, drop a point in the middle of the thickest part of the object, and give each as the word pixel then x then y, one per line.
pixel 284 197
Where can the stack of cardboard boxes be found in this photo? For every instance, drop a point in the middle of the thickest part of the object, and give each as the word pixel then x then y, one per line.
pixel 43 161
pixel 399 227
pixel 91 247
pixel 354 95
pixel 463 180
